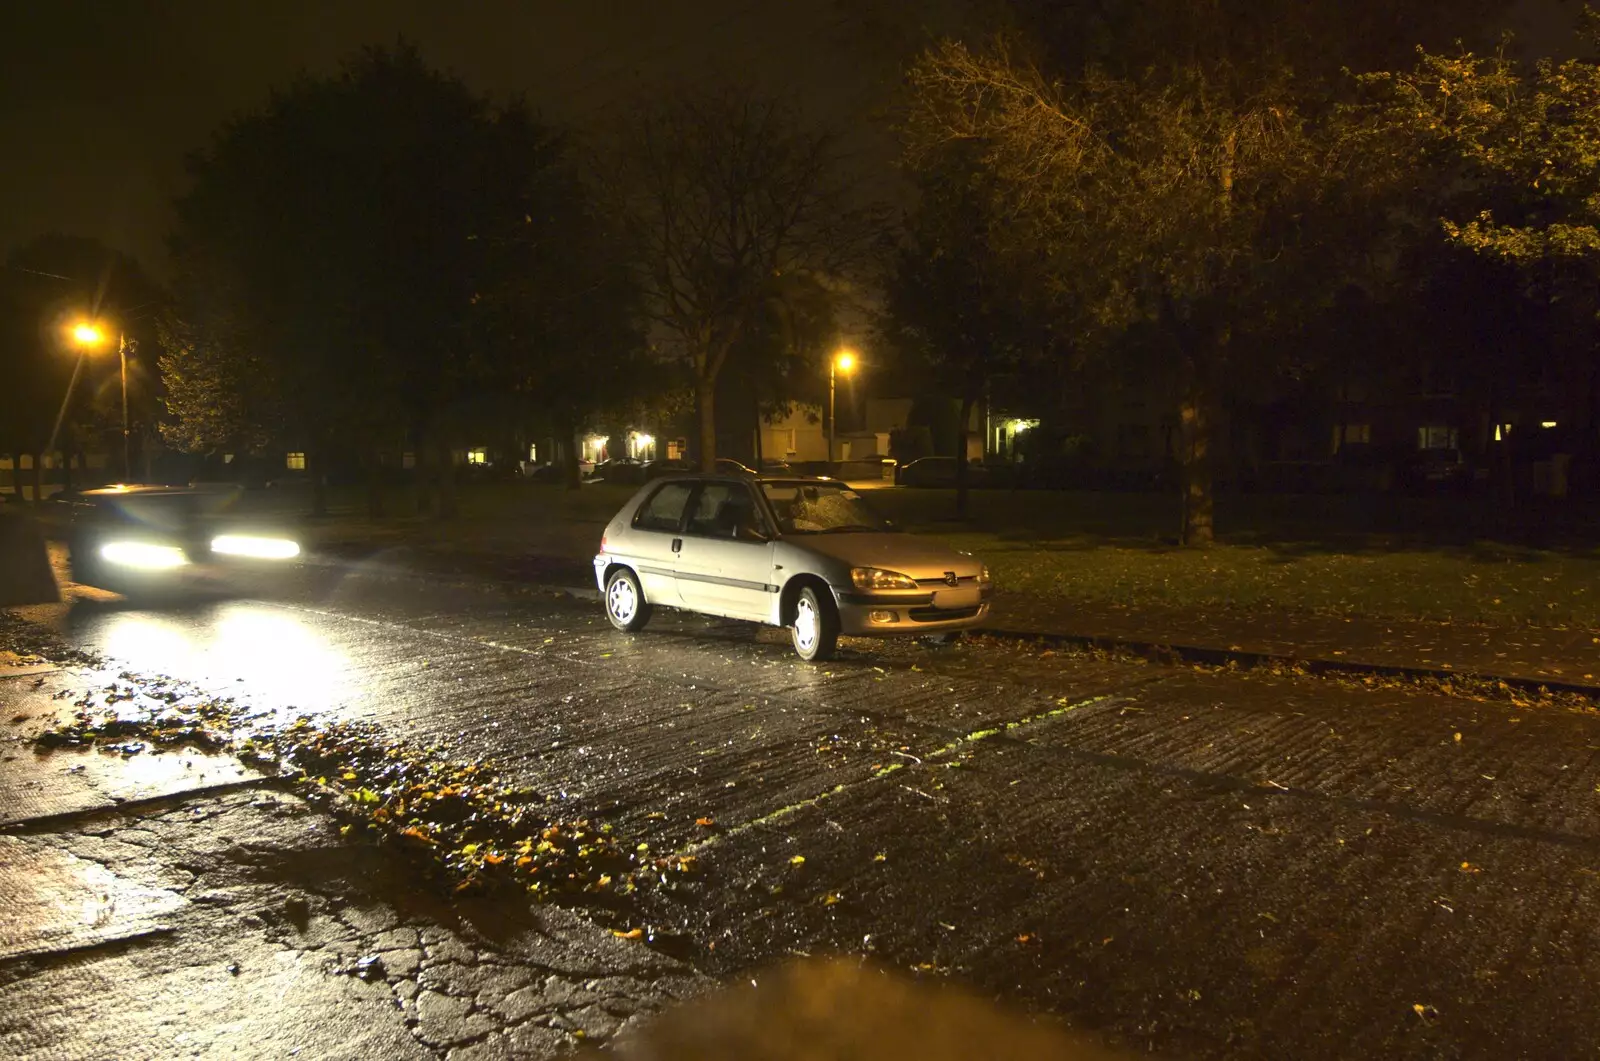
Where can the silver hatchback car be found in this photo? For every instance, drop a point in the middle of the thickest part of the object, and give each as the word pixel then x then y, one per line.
pixel 803 553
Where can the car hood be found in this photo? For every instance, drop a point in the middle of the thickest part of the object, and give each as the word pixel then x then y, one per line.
pixel 918 557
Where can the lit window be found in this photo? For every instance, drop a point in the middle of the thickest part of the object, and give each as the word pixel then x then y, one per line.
pixel 1436 436
pixel 295 462
pixel 227 458
pixel 533 453
pixel 1547 423
pixel 477 456
pixel 1358 434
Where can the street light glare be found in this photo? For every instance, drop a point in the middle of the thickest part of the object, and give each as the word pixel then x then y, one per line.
pixel 86 334
pixel 845 360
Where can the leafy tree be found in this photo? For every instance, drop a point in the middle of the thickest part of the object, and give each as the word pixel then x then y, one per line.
pixel 342 235
pixel 729 198
pixel 561 335
pixel 1182 190
pixel 1504 159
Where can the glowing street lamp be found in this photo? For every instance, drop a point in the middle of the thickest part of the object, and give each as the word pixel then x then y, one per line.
pixel 842 361
pixel 88 335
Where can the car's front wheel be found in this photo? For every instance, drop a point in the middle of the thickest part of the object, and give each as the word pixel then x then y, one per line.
pixel 625 604
pixel 816 625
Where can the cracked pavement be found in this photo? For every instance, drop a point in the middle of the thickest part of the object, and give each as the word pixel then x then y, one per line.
pixel 264 932
pixel 1191 862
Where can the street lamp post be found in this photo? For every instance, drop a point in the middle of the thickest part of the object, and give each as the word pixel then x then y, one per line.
pixel 843 361
pixel 88 335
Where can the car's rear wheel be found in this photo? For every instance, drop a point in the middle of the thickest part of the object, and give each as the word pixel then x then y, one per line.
pixel 816 625
pixel 625 604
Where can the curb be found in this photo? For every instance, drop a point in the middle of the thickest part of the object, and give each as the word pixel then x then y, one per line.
pixel 1163 652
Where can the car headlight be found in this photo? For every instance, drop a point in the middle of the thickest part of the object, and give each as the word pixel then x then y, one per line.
pixel 877 578
pixel 255 548
pixel 143 554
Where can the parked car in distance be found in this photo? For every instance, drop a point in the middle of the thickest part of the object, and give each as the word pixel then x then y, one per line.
pixel 545 473
pixel 939 471
pixel 729 466
pixel 807 554
pixel 625 470
pixel 774 466
pixel 655 469
pixel 1436 470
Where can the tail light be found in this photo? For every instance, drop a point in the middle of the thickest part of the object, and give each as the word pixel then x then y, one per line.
pixel 602 542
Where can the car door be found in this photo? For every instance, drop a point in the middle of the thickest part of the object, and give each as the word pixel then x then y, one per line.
pixel 654 537
pixel 725 564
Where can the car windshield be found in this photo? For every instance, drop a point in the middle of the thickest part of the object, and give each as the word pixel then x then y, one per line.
pixel 821 508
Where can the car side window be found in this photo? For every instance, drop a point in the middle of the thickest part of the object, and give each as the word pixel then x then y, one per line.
pixel 663 511
pixel 726 510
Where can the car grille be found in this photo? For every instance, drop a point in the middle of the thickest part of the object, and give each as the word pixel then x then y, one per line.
pixel 934 615
pixel 934 583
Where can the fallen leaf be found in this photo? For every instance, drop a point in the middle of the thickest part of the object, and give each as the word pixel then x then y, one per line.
pixel 798 860
pixel 705 822
pixel 632 933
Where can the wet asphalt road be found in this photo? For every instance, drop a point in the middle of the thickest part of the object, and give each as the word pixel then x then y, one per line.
pixel 1201 864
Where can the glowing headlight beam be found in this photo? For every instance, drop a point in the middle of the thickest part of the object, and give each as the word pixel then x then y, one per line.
pixel 255 548
pixel 143 554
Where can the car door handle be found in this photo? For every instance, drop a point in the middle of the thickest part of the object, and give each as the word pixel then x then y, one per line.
pixel 677 545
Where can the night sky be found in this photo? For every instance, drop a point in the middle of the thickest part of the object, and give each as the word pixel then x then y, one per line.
pixel 101 99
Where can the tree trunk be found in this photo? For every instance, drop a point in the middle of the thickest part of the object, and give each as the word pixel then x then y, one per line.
pixel 963 429
pixel 38 477
pixel 758 436
pixel 447 482
pixel 705 398
pixel 569 457
pixel 1197 430
pixel 376 509
pixel 319 481
pixel 66 462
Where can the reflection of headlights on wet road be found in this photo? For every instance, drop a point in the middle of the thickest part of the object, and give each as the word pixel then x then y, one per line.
pixel 143 554
pixel 255 548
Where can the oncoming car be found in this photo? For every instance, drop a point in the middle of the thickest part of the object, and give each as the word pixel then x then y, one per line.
pixel 802 553
pixel 143 539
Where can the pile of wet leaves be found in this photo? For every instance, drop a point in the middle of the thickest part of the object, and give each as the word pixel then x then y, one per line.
pixel 36 643
pixel 475 827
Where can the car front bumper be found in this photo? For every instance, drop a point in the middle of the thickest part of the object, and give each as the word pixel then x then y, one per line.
pixel 911 614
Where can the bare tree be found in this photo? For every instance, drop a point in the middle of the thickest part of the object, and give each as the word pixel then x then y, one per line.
pixel 729 197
